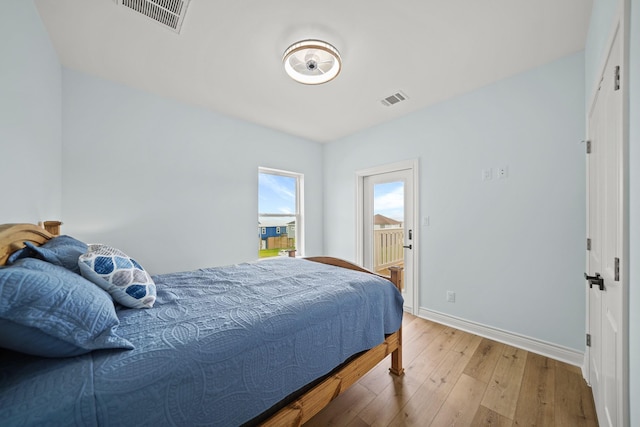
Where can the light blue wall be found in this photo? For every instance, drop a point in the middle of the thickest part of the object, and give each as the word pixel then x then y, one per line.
pixel 510 249
pixel 172 184
pixel 30 117
pixel 634 212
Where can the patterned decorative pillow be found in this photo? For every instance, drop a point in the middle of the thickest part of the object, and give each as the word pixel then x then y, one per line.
pixel 121 276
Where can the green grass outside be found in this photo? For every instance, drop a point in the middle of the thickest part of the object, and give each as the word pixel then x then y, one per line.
pixel 266 253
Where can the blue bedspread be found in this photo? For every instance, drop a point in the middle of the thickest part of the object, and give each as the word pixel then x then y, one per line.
pixel 221 346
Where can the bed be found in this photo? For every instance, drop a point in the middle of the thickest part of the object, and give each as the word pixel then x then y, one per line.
pixel 263 343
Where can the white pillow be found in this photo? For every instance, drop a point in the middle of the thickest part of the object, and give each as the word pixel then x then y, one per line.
pixel 121 276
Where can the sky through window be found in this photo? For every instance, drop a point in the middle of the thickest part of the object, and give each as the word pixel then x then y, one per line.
pixel 388 200
pixel 277 194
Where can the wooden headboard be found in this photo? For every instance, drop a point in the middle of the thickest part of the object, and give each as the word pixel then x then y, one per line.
pixel 13 236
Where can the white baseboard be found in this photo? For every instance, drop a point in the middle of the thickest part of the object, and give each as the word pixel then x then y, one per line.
pixel 554 351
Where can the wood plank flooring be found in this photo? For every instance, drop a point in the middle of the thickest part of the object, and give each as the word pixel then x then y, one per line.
pixel 453 378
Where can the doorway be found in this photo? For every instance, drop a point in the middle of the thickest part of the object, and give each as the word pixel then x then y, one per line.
pixel 387 212
pixel 606 364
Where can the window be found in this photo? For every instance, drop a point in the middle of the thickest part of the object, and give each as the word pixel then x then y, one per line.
pixel 280 201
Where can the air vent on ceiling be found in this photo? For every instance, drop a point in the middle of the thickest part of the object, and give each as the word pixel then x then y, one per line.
pixel 169 13
pixel 394 99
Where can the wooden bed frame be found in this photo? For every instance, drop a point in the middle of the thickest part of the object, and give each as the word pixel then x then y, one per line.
pixel 296 413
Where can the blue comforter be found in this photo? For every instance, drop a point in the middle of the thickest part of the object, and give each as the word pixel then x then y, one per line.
pixel 221 346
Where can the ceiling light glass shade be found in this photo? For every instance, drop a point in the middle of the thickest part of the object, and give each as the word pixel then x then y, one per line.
pixel 312 62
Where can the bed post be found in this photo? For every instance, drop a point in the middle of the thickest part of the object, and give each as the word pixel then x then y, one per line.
pixel 396 356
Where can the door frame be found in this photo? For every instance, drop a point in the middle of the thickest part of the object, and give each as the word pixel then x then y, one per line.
pixel 620 28
pixel 413 166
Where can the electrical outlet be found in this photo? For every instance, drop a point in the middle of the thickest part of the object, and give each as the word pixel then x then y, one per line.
pixel 503 172
pixel 487 174
pixel 451 296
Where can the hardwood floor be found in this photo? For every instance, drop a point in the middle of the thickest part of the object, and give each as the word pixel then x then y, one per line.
pixel 456 378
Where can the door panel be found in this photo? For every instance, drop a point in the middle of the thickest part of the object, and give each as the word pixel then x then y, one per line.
pixel 388 227
pixel 595 201
pixel 605 222
pixel 609 367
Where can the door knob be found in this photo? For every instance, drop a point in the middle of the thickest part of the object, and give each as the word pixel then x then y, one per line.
pixel 408 247
pixel 595 280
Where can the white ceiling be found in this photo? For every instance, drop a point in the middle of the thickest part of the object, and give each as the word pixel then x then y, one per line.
pixel 228 55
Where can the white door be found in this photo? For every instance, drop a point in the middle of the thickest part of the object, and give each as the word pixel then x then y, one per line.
pixel 389 236
pixel 605 231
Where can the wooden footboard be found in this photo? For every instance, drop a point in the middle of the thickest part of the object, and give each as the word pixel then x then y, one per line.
pixel 314 400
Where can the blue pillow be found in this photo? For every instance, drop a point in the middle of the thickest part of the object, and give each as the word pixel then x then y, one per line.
pixel 46 310
pixel 61 250
pixel 121 276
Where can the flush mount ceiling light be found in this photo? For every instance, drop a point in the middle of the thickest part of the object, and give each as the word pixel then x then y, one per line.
pixel 312 62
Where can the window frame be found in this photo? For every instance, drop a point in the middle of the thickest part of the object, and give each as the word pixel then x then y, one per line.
pixel 299 205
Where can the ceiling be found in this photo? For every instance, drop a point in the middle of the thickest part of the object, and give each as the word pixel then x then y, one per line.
pixel 228 54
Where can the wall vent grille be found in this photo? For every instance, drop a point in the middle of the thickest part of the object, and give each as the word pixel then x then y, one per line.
pixel 169 13
pixel 394 99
